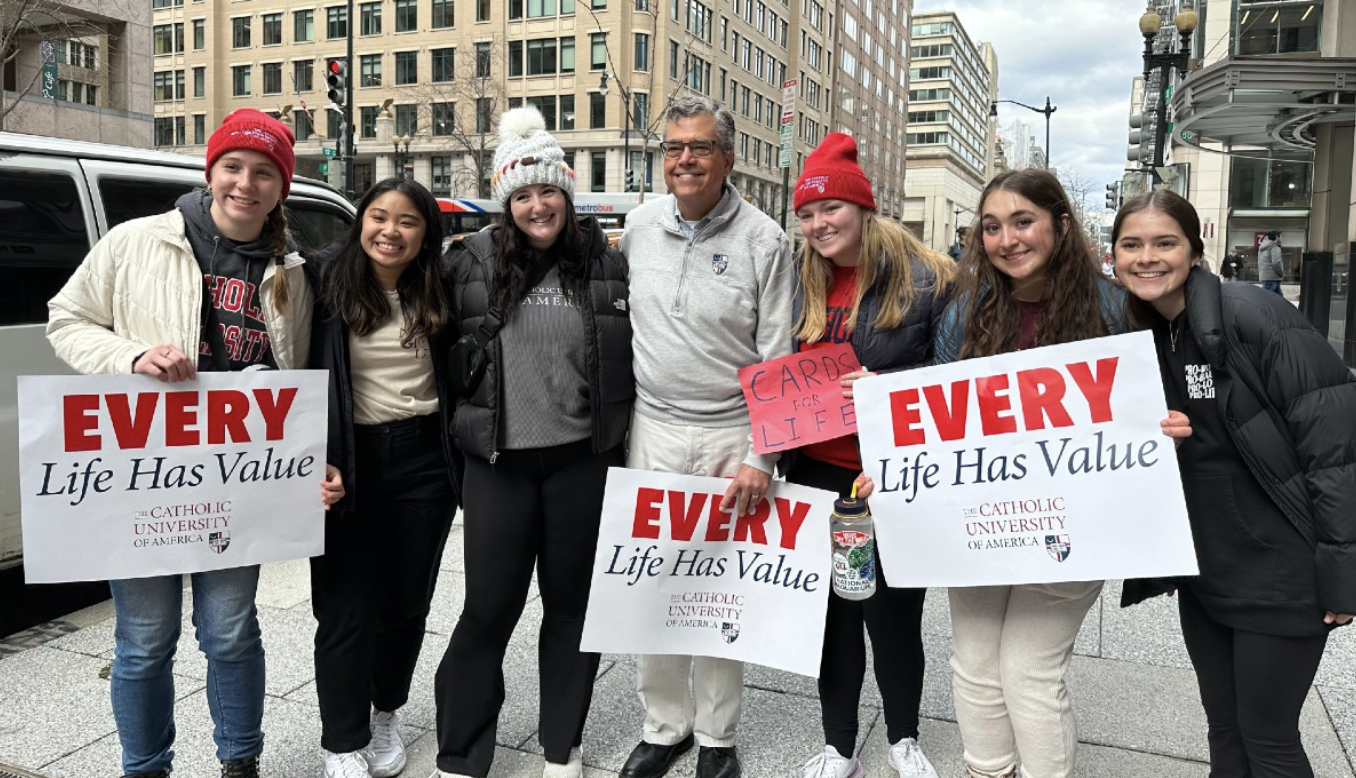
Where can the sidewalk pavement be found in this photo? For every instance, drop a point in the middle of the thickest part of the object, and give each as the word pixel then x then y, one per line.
pixel 1135 694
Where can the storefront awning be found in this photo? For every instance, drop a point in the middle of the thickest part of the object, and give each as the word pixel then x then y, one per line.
pixel 1264 102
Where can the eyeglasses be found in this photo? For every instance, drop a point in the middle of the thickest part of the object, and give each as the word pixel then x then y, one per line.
pixel 673 149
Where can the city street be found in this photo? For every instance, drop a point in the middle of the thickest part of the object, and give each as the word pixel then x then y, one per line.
pixel 1134 691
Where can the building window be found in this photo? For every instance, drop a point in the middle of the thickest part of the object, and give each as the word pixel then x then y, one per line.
pixel 641 55
pixel 272 78
pixel 301 122
pixel 303 26
pixel 597 111
pixel 1261 183
pixel 673 59
pixel 407 120
pixel 541 57
pixel 303 74
pixel 162 86
pixel 640 110
pixel 598 58
pixel 598 172
pixel 332 120
pixel 369 19
pixel 1278 28
pixel 272 29
pixel 444 14
pixel 199 34
pixel 199 128
pixel 240 81
pixel 567 55
pixel 515 58
pixel 443 64
pixel 169 38
pixel 169 131
pixel 444 118
pixel 336 22
pixel 547 105
pixel 240 32
pixel 567 112
pixel 200 81
pixel 442 176
pixel 484 114
pixel 367 121
pixel 407 67
pixel 406 15
pixel 483 10
pixel 369 67
pixel 483 59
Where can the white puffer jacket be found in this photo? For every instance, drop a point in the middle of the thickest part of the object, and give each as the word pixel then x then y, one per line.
pixel 141 286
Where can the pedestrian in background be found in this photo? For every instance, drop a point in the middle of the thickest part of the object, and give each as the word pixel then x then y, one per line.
pixel 1270 263
pixel 1229 269
pixel 212 285
pixel 380 332
pixel 539 433
pixel 1268 477
pixel 1028 281
pixel 868 282
pixel 711 287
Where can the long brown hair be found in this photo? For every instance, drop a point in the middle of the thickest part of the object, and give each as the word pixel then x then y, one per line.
pixel 1175 207
pixel 276 228
pixel 887 252
pixel 1072 298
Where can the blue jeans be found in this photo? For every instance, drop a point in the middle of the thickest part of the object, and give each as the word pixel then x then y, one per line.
pixel 1272 286
pixel 149 616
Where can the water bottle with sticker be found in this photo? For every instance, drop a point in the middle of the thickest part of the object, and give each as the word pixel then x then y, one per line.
pixel 854 548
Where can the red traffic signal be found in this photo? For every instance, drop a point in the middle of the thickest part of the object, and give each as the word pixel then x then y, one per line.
pixel 337 79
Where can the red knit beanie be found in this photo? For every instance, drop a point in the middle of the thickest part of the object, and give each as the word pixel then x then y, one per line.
pixel 250 130
pixel 832 173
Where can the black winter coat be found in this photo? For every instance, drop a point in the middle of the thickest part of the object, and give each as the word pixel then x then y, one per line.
pixel 1289 404
pixel 329 351
pixel 612 384
pixel 905 346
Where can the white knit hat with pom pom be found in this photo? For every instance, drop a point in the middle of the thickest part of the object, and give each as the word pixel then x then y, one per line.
pixel 527 154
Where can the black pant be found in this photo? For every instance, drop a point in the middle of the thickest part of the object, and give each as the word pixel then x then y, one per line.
pixel 371 590
pixel 533 507
pixel 893 617
pixel 1252 687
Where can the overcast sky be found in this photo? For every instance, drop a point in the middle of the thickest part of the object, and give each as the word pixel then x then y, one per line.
pixel 1082 54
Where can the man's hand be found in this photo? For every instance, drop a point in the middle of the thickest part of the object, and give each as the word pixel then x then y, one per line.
pixel 332 488
pixel 746 490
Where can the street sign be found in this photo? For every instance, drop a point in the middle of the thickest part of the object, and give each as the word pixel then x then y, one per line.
pixel 330 153
pixel 325 167
pixel 788 122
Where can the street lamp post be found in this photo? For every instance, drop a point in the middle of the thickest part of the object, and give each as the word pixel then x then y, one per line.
pixel 403 163
pixel 1047 110
pixel 626 125
pixel 1164 63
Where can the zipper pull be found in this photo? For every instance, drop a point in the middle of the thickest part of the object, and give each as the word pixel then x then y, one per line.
pixel 494 456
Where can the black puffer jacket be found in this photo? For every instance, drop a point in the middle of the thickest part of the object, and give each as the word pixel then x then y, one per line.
pixel 905 346
pixel 329 351
pixel 1289 404
pixel 612 384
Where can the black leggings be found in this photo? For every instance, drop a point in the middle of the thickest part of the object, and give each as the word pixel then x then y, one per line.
pixel 1252 687
pixel 533 508
pixel 893 617
pixel 371 590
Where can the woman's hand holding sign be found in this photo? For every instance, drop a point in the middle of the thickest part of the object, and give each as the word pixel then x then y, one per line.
pixel 332 488
pixel 851 378
pixel 1177 426
pixel 166 362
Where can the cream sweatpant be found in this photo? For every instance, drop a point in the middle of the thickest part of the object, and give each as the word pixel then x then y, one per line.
pixel 1011 649
pixel 710 708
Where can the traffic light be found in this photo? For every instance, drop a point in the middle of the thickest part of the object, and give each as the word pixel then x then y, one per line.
pixel 1113 196
pixel 1136 151
pixel 630 180
pixel 337 79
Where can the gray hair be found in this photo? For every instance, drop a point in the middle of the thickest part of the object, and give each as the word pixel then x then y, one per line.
pixel 688 106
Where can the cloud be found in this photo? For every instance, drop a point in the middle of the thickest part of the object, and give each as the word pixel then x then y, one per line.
pixel 1083 54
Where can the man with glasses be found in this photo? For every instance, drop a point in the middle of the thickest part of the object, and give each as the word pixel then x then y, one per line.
pixel 712 282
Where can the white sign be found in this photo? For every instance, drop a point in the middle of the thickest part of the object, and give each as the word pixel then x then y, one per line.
pixel 1039 466
pixel 674 574
pixel 123 476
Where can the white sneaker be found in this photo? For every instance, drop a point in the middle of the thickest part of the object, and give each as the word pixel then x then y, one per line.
pixel 349 764
pixel 832 764
pixel 386 752
pixel 571 769
pixel 910 761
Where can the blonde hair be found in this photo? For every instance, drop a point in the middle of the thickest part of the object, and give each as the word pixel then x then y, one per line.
pixel 888 250
pixel 276 228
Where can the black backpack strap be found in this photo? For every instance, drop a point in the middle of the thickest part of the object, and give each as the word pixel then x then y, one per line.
pixel 493 321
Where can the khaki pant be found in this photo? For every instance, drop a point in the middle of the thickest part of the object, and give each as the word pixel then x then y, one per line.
pixel 1011 649
pixel 710 708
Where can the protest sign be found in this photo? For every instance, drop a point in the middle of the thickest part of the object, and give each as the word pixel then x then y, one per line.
pixel 123 476
pixel 674 574
pixel 1038 466
pixel 797 399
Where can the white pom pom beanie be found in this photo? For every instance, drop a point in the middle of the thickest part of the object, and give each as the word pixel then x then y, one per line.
pixel 527 154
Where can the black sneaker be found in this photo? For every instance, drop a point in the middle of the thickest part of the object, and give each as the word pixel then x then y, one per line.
pixel 241 768
pixel 157 774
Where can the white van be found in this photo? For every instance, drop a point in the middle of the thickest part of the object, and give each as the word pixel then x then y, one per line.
pixel 57 199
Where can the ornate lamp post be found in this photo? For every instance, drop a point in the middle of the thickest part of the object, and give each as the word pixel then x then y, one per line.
pixel 1164 63
pixel 403 163
pixel 1047 110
